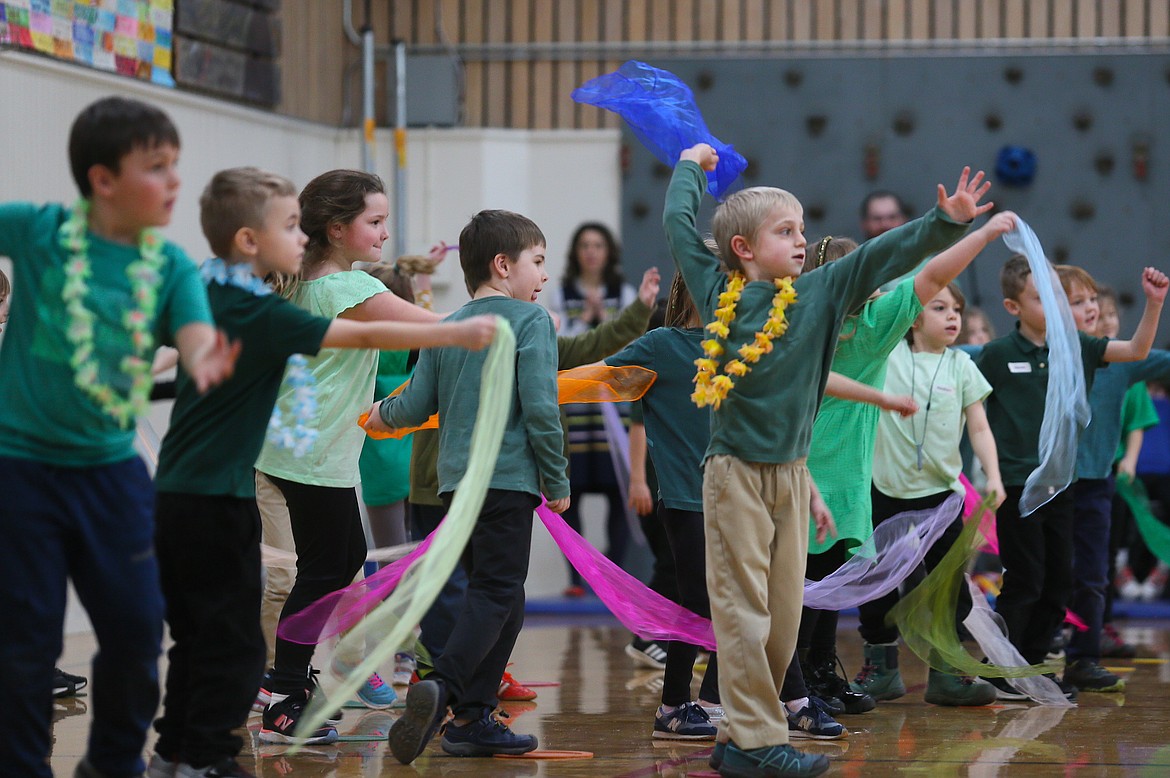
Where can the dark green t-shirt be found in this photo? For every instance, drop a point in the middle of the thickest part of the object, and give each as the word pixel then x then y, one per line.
pixel 44 416
pixel 1017 370
pixel 677 431
pixel 768 416
pixel 447 381
pixel 214 438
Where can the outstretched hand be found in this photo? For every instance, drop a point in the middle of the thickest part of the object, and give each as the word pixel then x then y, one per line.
pixel 1154 284
pixel 963 205
pixel 648 291
pixel 374 421
pixel 702 153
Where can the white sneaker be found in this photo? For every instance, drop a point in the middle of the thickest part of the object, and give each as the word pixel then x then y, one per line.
pixel 404 666
pixel 714 712
pixel 161 768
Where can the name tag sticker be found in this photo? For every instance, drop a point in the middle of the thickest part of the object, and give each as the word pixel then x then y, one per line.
pixel 1020 367
pixel 945 389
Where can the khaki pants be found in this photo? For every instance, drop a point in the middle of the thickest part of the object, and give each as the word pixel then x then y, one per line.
pixel 756 518
pixel 277 532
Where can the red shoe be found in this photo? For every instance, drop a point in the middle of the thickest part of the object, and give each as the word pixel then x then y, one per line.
pixel 575 591
pixel 512 690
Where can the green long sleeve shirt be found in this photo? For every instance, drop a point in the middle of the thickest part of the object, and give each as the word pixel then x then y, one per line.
pixel 582 349
pixel 768 416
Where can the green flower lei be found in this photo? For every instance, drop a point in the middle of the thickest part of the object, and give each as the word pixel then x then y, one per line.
pixel 145 276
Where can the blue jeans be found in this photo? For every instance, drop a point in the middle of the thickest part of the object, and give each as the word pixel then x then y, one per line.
pixel 1091 521
pixel 93 525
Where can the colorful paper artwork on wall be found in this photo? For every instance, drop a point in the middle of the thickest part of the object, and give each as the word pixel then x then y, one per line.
pixel 130 37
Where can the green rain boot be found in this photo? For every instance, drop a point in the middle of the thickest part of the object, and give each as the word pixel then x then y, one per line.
pixel 946 689
pixel 879 676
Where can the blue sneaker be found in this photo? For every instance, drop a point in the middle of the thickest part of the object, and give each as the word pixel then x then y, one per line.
pixel 813 721
pixel 770 761
pixel 486 737
pixel 426 706
pixel 376 694
pixel 686 722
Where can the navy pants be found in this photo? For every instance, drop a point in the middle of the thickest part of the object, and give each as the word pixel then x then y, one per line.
pixel 1037 556
pixel 436 625
pixel 93 525
pixel 496 562
pixel 209 558
pixel 1091 521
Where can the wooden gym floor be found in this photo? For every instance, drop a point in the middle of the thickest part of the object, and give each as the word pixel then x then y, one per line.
pixel 605 704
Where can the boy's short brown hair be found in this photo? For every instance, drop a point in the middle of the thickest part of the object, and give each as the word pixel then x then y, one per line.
pixel 742 213
pixel 490 233
pixel 5 286
pixel 236 198
pixel 1014 276
pixel 1071 276
pixel 108 129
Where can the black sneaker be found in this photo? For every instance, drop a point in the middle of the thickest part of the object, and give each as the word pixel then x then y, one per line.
pixel 426 707
pixel 66 684
pixel 282 716
pixel 813 721
pixel 314 688
pixel 1088 676
pixel 1067 689
pixel 1004 690
pixel 487 737
pixel 227 768
pixel 824 682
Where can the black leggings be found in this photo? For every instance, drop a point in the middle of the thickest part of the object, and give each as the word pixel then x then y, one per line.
pixel 873 627
pixel 331 547
pixel 684 530
pixel 817 635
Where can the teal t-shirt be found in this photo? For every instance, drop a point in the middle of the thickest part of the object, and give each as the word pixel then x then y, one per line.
pixel 214 438
pixel 344 382
pixel 385 464
pixel 1098 442
pixel 44 416
pixel 768 416
pixel 677 431
pixel 447 381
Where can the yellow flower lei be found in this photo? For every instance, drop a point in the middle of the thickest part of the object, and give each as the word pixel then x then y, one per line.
pixel 710 388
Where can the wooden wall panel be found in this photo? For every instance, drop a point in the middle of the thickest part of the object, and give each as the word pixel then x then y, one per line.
pixel 505 83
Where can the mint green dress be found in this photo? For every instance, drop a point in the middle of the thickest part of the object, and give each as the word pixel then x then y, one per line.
pixel 840 458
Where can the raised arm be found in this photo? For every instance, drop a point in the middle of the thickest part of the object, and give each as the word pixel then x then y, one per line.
pixel 387 306
pixel 475 333
pixel 1154 284
pixel 945 266
pixel 698 265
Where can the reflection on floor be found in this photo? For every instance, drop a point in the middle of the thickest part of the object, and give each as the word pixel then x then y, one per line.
pixel 605 704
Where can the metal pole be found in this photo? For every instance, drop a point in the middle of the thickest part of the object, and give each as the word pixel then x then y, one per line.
pixel 368 121
pixel 400 147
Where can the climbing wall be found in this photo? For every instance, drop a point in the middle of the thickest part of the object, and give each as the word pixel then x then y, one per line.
pixel 833 129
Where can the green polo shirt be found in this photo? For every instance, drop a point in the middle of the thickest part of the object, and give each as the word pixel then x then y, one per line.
pixel 1017 370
